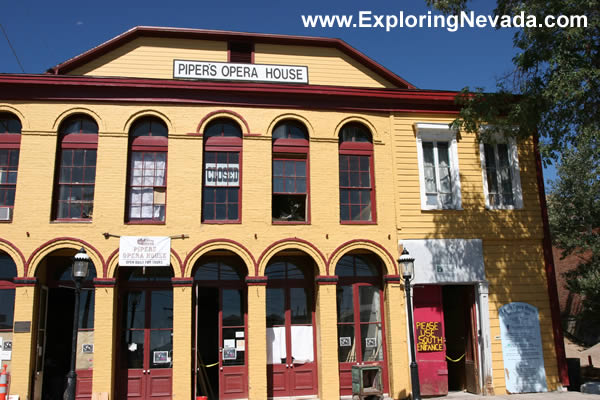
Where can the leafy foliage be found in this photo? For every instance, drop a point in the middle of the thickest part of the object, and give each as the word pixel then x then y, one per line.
pixel 554 90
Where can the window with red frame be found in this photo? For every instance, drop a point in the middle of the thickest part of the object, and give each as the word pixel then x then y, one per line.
pixel 10 141
pixel 8 271
pixel 147 186
pixel 78 145
pixel 357 189
pixel 290 172
pixel 222 171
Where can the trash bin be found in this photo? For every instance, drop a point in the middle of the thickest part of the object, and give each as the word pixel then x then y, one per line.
pixel 367 382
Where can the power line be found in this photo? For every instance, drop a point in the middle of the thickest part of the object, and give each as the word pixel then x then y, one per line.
pixel 12 48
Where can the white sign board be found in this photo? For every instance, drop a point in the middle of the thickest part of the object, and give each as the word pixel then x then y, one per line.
pixel 220 71
pixel 439 261
pixel 522 348
pixel 221 174
pixel 145 251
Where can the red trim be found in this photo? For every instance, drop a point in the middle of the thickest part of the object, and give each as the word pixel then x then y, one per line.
pixel 226 113
pixel 559 343
pixel 145 31
pixel 19 252
pixel 173 252
pixel 190 253
pixel 256 280
pixel 25 281
pixel 82 88
pixel 49 242
pixel 105 282
pixel 182 282
pixel 293 240
pixel 10 140
pixel 339 248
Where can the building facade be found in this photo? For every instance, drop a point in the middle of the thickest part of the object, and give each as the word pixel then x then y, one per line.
pixel 286 173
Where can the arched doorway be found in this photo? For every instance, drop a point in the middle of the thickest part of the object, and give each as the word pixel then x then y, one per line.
pixel 361 330
pixel 56 306
pixel 145 333
pixel 291 350
pixel 220 316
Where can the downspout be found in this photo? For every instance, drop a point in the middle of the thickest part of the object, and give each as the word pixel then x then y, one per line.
pixel 559 343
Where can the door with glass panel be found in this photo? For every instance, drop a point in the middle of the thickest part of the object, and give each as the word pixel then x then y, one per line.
pixel 361 339
pixel 291 361
pixel 220 334
pixel 146 343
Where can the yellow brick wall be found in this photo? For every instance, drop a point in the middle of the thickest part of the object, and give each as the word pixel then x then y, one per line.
pixel 512 239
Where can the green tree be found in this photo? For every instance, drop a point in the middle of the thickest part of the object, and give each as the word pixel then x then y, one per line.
pixel 554 89
pixel 574 216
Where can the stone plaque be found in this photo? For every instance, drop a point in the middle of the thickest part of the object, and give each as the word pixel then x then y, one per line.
pixel 522 348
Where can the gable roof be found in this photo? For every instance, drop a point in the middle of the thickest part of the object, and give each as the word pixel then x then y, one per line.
pixel 182 33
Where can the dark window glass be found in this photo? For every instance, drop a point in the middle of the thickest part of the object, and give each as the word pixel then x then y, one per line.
pixel 299 306
pixel 355 188
pixel 223 127
pixel 345 303
pixel 8 269
pixel 76 177
pixel 9 165
pixel 162 309
pixel 7 307
pixel 284 270
pixel 9 123
pixel 275 307
pixel 355 133
pixel 161 274
pixel 290 130
pixel 149 127
pixel 232 307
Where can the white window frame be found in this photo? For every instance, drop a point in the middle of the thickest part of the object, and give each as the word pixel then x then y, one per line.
pixel 513 159
pixel 427 132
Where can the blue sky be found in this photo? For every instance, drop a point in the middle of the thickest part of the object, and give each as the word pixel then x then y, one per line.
pixel 47 33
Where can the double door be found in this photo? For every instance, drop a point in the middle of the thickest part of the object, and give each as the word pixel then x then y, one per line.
pixel 291 368
pixel 146 346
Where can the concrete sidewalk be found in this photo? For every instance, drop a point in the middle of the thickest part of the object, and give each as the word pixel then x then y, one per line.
pixel 527 396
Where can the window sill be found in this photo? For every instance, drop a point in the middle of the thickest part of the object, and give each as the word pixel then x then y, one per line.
pixel 219 222
pixel 290 222
pixel 145 222
pixel 71 221
pixel 358 222
pixel 503 208
pixel 6 221
pixel 441 209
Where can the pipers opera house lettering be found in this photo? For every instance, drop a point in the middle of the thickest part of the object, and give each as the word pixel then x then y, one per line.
pixel 219 71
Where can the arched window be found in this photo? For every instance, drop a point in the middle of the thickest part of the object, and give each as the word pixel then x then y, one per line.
pixel 147 188
pixel 76 169
pixel 8 271
pixel 290 173
pixel 359 316
pixel 10 142
pixel 222 172
pixel 357 186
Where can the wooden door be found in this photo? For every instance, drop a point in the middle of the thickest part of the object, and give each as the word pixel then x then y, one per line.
pixel 291 368
pixel 430 340
pixel 147 345
pixel 471 356
pixel 360 330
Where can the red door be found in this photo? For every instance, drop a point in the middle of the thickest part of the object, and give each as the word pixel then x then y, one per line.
pixel 147 344
pixel 430 340
pixel 360 330
pixel 291 356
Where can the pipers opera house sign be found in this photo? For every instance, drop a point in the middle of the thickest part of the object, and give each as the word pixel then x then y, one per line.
pixel 220 71
pixel 145 251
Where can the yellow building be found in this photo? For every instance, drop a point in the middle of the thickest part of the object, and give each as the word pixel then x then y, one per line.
pixel 243 199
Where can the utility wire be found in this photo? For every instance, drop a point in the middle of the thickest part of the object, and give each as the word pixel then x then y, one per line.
pixel 12 48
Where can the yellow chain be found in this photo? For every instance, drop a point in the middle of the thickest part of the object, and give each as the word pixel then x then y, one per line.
pixel 457 360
